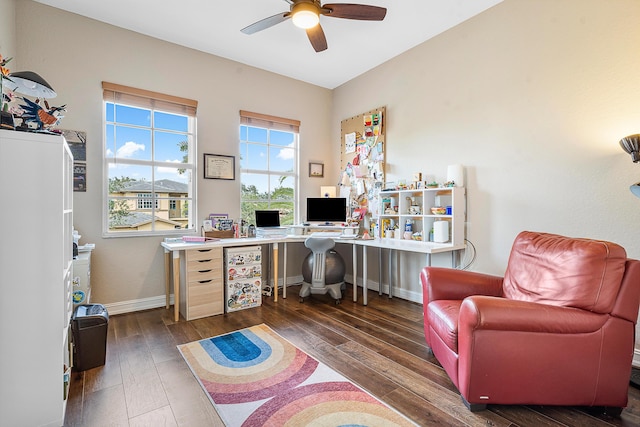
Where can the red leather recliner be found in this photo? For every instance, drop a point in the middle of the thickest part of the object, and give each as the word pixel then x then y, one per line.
pixel 558 329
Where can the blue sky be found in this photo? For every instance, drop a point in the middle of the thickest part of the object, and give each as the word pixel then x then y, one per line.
pixel 134 142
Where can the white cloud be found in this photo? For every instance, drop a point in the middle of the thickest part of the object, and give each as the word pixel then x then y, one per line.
pixel 286 153
pixel 169 170
pixel 129 149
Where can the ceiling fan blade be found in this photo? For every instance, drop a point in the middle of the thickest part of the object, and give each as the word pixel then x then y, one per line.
pixel 354 11
pixel 265 23
pixel 317 38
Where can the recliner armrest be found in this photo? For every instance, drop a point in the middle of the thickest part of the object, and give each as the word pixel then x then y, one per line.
pixel 500 314
pixel 445 283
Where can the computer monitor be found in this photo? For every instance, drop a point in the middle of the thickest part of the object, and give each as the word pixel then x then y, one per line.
pixel 267 218
pixel 326 209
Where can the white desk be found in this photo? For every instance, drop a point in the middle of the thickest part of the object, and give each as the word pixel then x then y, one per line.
pixel 173 251
pixel 396 246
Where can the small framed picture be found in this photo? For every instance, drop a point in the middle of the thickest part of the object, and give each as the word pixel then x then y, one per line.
pixel 217 166
pixel 316 170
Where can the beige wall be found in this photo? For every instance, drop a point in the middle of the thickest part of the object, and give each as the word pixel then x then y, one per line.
pixel 76 54
pixel 8 30
pixel 533 97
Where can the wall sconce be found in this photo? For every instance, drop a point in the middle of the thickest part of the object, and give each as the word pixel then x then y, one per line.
pixel 631 144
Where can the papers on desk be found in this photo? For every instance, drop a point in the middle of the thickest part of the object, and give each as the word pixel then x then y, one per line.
pixel 271 232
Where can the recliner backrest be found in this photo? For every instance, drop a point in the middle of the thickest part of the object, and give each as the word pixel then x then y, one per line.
pixel 562 271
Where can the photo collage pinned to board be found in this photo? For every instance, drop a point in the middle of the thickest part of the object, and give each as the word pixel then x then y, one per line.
pixel 362 163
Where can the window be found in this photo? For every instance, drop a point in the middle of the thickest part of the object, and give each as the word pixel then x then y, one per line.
pixel 268 166
pixel 145 201
pixel 149 162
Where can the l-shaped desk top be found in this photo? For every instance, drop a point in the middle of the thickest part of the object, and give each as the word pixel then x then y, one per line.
pixel 174 250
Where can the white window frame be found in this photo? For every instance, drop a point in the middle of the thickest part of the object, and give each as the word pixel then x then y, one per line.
pixel 272 123
pixel 152 101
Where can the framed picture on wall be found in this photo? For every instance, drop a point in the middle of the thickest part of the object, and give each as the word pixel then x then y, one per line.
pixel 316 170
pixel 217 166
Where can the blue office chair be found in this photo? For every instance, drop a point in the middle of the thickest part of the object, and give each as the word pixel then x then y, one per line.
pixel 323 270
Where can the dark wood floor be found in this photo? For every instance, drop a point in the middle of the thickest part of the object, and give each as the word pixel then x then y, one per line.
pixel 381 347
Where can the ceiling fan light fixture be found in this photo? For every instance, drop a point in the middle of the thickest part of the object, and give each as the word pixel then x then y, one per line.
pixel 305 15
pixel 631 144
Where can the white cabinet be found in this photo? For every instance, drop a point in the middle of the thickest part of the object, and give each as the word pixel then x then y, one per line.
pixel 399 206
pixel 36 172
pixel 82 278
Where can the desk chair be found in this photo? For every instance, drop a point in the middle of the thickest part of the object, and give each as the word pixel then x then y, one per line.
pixel 323 270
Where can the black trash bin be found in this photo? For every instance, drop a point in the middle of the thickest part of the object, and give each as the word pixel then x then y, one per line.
pixel 89 327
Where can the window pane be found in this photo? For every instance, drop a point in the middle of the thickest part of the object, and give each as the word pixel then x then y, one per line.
pixel 281 138
pixel 171 147
pixel 133 143
pixel 243 133
pixel 110 141
pixel 255 186
pixel 172 181
pixel 110 111
pixel 122 214
pixel 257 158
pixel 243 155
pixel 257 135
pixel 282 187
pixel 133 115
pixel 170 121
pixel 281 159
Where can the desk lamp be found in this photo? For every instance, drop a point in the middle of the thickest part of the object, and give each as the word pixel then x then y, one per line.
pixel 631 144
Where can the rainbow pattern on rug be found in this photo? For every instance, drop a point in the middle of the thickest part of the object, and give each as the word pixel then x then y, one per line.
pixel 254 377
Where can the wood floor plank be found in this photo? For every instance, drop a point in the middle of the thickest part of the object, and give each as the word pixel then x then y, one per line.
pixel 141 383
pixel 162 417
pixel 189 403
pixel 105 407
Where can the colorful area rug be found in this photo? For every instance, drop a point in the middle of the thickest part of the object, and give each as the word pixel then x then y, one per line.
pixel 254 377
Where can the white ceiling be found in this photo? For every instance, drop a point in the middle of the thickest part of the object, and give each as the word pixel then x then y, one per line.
pixel 213 26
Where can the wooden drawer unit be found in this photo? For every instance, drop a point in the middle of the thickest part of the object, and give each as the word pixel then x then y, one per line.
pixel 201 283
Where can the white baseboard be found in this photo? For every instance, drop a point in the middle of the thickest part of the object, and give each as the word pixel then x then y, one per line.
pixel 400 293
pixel 137 305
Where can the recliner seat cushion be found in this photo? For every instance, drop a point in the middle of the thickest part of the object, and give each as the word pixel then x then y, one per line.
pixel 557 270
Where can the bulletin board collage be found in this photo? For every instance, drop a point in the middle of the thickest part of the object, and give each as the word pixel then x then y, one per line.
pixel 362 162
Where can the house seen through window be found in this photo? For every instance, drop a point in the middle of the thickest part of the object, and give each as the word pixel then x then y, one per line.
pixel 268 166
pixel 149 161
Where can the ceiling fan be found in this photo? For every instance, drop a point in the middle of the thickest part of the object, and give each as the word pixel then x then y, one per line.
pixel 306 14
